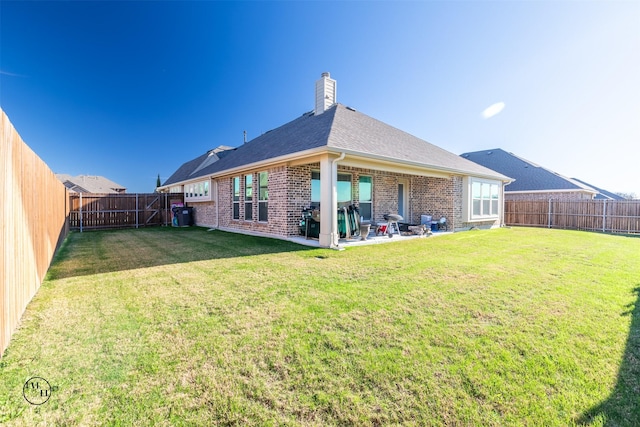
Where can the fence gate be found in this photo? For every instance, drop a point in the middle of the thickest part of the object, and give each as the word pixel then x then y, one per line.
pixel 103 211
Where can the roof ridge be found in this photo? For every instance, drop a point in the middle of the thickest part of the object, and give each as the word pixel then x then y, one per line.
pixel 333 109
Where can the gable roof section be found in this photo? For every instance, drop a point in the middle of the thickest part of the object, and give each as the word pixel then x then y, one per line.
pixel 354 131
pixel 338 129
pixel 192 168
pixel 90 184
pixel 184 172
pixel 528 175
pixel 602 194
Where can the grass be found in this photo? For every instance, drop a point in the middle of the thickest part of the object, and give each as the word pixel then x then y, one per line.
pixel 188 327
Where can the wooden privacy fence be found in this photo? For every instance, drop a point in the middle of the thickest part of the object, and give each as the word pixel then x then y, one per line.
pixel 101 211
pixel 608 216
pixel 34 210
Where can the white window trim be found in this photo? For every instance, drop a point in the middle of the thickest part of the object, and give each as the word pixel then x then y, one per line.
pixel 263 201
pixel 192 191
pixel 370 202
pixel 233 194
pixel 246 201
pixel 467 197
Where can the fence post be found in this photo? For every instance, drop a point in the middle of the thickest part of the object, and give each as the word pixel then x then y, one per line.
pixel 549 215
pixel 136 210
pixel 81 212
pixel 166 195
pixel 604 215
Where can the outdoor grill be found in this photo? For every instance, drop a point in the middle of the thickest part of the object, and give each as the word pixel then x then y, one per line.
pixel 390 226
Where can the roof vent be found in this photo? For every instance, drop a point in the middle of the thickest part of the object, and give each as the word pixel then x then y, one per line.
pixel 325 93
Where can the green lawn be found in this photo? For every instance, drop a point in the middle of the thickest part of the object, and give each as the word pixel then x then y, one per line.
pixel 188 327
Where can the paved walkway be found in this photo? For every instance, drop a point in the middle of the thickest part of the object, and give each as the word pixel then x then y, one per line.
pixel 371 240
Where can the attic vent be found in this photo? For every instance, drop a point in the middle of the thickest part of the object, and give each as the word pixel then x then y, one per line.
pixel 489 152
pixel 351 109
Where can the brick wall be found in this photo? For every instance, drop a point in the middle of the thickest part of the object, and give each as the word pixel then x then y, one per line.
pixel 426 195
pixel 435 197
pixel 298 195
pixel 225 192
pixel 225 189
pixel 290 191
pixel 458 203
pixel 204 213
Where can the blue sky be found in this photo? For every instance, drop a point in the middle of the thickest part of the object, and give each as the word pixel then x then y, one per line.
pixel 129 90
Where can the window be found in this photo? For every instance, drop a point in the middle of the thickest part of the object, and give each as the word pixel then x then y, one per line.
pixel 315 188
pixel 343 188
pixel 236 197
pixel 263 196
pixel 484 199
pixel 197 191
pixel 365 191
pixel 248 197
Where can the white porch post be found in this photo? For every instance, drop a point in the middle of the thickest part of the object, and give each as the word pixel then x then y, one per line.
pixel 328 202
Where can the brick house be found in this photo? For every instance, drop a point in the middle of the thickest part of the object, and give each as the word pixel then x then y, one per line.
pixel 534 182
pixel 332 157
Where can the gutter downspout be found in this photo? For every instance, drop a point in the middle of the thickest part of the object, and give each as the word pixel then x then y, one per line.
pixel 334 202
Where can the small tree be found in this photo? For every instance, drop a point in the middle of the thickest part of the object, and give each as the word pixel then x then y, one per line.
pixel 628 196
pixel 158 182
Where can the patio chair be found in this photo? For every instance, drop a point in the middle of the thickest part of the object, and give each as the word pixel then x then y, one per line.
pixel 443 224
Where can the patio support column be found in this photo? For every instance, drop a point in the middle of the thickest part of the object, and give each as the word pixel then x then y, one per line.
pixel 328 237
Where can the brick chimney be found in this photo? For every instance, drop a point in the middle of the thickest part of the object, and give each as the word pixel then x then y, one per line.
pixel 325 93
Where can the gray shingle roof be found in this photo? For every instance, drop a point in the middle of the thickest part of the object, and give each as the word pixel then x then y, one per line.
pixel 355 131
pixel 528 176
pixel 602 194
pixel 338 128
pixel 184 172
pixel 90 184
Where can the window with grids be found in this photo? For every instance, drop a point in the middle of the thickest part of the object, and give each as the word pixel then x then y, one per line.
pixel 365 190
pixel 236 197
pixel 263 196
pixel 485 198
pixel 248 197
pixel 197 191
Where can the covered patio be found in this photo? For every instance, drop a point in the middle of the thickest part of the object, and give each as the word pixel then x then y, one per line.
pixel 372 239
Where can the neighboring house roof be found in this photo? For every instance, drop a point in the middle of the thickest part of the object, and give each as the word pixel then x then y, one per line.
pixel 338 129
pixel 602 194
pixel 528 175
pixel 90 184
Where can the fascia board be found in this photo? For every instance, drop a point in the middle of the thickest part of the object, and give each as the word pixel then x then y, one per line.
pixel 444 172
